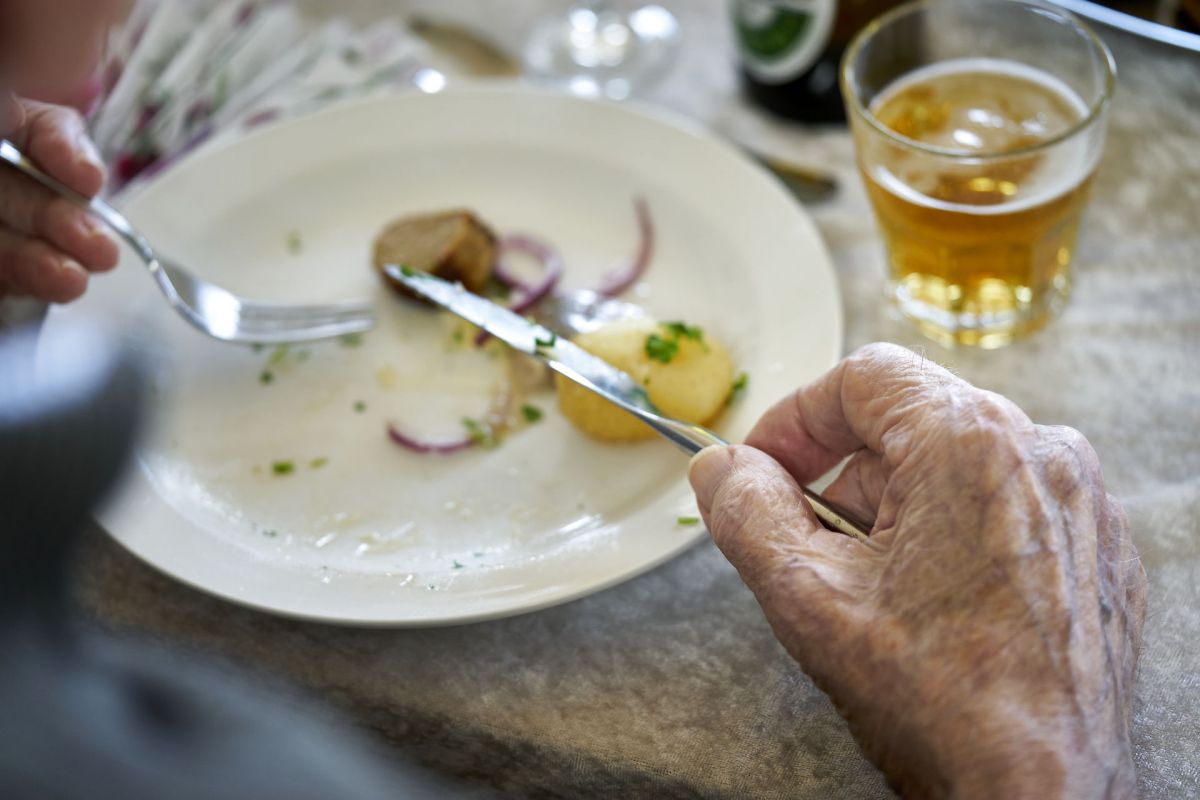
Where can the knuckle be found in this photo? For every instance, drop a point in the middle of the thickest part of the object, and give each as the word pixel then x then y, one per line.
pixel 1070 454
pixel 1069 438
pixel 881 358
pixel 998 412
pixel 879 351
pixel 1134 572
pixel 992 424
pixel 1136 578
pixel 1118 519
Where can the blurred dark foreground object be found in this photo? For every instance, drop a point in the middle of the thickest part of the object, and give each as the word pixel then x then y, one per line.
pixel 86 716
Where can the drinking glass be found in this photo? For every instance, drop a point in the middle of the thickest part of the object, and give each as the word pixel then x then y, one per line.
pixel 597 50
pixel 977 126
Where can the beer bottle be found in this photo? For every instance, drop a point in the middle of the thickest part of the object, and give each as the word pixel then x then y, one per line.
pixel 791 51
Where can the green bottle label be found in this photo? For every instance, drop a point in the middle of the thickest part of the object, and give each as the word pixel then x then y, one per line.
pixel 780 39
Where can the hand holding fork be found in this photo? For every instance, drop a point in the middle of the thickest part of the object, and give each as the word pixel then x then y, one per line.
pixel 50 240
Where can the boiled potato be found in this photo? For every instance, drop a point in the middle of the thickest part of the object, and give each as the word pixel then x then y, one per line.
pixel 692 383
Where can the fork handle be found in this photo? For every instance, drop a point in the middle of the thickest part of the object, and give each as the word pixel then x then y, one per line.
pixel 9 154
pixel 694 438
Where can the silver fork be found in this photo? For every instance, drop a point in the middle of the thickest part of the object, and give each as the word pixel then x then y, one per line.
pixel 213 310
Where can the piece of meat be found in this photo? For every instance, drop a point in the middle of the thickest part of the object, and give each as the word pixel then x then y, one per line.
pixel 453 245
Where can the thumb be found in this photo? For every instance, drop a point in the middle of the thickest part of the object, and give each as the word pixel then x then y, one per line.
pixel 811 583
pixel 754 510
pixel 759 519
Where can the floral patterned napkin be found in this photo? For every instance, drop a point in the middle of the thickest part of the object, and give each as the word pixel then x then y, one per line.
pixel 180 72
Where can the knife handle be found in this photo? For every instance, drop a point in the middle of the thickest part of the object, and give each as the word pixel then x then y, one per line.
pixel 694 438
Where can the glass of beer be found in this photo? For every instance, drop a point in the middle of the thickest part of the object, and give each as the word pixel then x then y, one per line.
pixel 977 127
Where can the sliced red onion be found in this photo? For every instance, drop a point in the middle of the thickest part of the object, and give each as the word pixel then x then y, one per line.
pixel 444 447
pixel 621 278
pixel 500 411
pixel 529 295
pixel 526 295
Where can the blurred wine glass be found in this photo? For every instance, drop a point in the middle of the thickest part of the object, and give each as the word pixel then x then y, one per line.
pixel 598 50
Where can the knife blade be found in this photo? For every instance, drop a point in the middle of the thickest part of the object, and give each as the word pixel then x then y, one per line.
pixel 529 337
pixel 576 364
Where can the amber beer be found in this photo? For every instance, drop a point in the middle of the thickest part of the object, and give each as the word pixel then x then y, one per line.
pixel 981 250
pixel 978 163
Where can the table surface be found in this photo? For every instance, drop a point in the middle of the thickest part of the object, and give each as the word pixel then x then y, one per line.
pixel 671 685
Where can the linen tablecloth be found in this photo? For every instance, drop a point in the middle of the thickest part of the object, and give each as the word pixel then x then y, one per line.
pixel 671 685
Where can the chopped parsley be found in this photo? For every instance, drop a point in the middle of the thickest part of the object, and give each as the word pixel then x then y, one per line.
pixel 350 339
pixel 407 271
pixel 531 413
pixel 457 336
pixel 540 342
pixel 456 564
pixel 257 347
pixel 266 376
pixel 283 467
pixel 278 355
pixel 739 386
pixel 687 520
pixel 294 243
pixel 480 433
pixel 318 462
pixel 359 406
pixel 683 330
pixel 270 533
pixel 664 348
pixel 660 349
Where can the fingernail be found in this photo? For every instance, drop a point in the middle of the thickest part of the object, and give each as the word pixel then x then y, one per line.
pixel 707 469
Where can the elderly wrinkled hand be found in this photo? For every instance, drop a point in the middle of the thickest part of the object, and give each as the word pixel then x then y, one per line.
pixel 48 246
pixel 983 642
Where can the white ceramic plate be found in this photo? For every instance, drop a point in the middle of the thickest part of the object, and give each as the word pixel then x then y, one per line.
pixel 379 535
